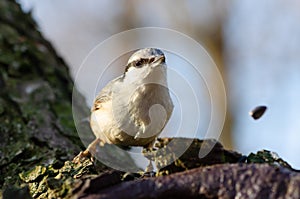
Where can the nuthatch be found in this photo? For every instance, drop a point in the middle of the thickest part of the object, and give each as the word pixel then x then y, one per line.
pixel 133 109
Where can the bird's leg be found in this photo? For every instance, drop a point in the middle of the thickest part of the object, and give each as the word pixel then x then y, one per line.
pixel 89 152
pixel 149 168
pixel 149 154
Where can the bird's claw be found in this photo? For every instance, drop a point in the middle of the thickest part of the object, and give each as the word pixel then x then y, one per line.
pixel 83 155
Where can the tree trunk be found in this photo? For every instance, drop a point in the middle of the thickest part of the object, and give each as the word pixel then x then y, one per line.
pixel 36 122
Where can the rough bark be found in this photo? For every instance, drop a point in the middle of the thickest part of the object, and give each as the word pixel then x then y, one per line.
pixel 36 122
pixel 218 181
pixel 38 138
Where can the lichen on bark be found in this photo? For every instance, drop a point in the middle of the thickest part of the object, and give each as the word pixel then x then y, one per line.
pixel 36 123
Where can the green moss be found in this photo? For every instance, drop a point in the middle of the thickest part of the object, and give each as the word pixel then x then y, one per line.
pixel 37 188
pixel 33 175
pixel 180 154
pixel 33 80
pixel 266 156
pixel 64 116
pixel 56 180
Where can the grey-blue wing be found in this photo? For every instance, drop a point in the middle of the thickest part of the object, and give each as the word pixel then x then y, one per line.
pixel 104 95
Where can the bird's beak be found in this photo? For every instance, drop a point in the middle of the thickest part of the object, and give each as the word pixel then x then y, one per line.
pixel 160 59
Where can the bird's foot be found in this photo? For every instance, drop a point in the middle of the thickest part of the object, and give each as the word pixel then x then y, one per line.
pixel 89 152
pixel 83 155
pixel 149 171
pixel 149 174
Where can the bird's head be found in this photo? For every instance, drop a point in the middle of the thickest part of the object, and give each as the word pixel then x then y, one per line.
pixel 145 60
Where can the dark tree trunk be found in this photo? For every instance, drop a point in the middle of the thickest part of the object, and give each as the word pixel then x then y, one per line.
pixel 36 123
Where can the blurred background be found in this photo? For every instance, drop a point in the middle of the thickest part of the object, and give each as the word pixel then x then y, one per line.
pixel 255 44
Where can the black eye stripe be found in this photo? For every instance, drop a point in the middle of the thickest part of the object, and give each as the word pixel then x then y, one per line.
pixel 136 64
pixel 139 63
pixel 127 67
pixel 151 60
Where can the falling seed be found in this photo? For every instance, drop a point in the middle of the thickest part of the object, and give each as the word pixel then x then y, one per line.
pixel 257 112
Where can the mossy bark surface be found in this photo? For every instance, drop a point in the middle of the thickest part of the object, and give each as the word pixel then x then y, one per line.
pixel 36 123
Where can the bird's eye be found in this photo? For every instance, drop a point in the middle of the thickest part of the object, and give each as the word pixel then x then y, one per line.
pixel 139 63
pixel 151 60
